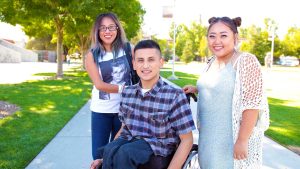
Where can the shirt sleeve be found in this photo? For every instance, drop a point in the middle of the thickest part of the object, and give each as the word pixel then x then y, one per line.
pixel 121 112
pixel 181 115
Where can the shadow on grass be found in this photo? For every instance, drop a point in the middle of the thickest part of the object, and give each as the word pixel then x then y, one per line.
pixel 285 123
pixel 46 106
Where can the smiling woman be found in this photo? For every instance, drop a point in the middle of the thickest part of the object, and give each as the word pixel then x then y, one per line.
pixel 109 70
pixel 232 101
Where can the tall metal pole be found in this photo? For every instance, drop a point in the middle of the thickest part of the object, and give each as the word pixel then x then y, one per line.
pixel 271 30
pixel 173 76
pixel 272 45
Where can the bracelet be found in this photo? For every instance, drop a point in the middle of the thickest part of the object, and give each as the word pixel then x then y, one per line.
pixel 121 87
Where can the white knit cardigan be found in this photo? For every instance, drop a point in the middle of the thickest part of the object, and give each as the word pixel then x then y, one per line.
pixel 249 93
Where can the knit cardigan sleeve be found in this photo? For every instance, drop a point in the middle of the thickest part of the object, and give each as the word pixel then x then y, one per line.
pixel 252 89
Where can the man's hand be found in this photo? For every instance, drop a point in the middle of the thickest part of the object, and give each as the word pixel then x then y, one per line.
pixel 96 163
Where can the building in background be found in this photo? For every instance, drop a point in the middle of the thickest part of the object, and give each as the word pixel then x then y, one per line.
pixel 12 45
pixel 13 34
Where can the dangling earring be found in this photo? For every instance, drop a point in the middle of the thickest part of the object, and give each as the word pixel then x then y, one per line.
pixel 236 47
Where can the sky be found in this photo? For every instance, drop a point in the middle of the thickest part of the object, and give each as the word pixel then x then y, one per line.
pixel 284 12
pixel 15 33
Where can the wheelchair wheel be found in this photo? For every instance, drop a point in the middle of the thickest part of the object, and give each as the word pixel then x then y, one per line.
pixel 192 161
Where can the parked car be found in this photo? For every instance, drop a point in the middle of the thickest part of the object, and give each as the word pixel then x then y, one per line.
pixel 289 61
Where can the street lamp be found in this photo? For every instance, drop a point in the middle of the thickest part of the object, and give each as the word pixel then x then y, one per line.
pixel 271 38
pixel 169 12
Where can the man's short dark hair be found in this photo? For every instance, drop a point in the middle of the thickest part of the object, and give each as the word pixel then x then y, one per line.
pixel 144 44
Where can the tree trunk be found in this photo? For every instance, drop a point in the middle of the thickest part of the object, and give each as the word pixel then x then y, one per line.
pixel 83 49
pixel 59 32
pixel 83 58
pixel 82 53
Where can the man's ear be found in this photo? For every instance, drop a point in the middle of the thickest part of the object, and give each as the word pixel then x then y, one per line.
pixel 162 61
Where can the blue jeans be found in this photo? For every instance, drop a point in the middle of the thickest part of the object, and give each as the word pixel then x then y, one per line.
pixel 124 154
pixel 104 128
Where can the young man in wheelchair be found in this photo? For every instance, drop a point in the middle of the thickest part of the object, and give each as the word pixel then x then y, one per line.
pixel 156 119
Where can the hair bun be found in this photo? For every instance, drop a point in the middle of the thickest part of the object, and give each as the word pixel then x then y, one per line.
pixel 237 21
pixel 212 19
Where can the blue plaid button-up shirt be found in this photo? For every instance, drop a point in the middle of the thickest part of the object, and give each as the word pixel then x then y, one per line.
pixel 159 116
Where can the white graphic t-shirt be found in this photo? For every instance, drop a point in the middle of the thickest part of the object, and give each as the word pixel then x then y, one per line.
pixel 113 71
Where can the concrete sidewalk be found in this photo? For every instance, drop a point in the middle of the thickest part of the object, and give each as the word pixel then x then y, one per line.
pixel 71 147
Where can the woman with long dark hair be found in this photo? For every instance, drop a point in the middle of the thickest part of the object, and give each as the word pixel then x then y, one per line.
pixel 107 52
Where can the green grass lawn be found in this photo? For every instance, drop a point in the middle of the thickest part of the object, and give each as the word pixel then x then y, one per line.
pixel 46 106
pixel 285 123
pixel 283 100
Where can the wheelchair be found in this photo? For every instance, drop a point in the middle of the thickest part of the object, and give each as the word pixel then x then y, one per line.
pixel 191 162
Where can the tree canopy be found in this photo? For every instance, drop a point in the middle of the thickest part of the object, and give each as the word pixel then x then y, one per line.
pixel 68 21
pixel 191 41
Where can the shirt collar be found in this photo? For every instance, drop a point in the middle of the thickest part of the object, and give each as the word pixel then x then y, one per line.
pixel 155 88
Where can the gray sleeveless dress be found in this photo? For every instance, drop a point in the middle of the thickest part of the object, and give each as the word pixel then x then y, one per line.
pixel 215 119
